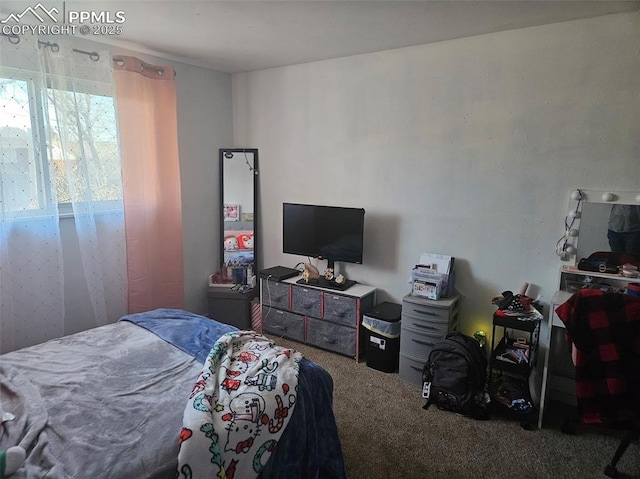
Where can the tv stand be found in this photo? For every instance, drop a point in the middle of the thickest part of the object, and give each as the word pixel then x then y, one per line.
pixel 325 283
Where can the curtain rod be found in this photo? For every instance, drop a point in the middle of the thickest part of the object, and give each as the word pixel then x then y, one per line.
pixel 95 56
pixel 143 66
pixel 15 39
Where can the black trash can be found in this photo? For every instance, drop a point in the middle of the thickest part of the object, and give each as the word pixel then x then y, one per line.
pixel 383 336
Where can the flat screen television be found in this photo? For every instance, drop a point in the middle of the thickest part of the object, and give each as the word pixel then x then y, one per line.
pixel 324 232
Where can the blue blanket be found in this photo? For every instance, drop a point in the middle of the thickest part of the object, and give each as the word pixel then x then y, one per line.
pixel 189 332
pixel 310 446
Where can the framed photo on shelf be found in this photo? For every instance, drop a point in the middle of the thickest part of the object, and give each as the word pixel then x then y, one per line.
pixel 231 212
pixel 247 216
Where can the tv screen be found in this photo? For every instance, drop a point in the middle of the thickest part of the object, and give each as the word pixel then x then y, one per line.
pixel 325 232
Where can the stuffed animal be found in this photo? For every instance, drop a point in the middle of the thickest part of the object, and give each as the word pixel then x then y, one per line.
pixel 230 243
pixel 310 273
pixel 12 459
pixel 245 241
pixel 328 274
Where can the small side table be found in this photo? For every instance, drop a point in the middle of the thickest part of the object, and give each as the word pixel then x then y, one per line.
pixel 231 307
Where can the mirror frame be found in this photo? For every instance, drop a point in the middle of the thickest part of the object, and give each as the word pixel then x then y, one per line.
pixel 256 238
pixel 576 202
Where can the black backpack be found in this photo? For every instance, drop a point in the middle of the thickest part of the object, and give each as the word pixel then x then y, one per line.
pixel 455 375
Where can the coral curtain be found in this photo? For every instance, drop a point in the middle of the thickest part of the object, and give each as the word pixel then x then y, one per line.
pixel 146 100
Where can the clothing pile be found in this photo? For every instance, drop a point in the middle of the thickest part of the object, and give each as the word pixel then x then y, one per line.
pixel 518 305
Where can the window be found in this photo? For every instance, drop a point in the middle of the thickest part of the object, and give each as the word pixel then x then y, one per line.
pixel 21 187
pixel 57 145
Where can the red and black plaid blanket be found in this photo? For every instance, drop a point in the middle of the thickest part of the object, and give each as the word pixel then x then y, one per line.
pixel 605 330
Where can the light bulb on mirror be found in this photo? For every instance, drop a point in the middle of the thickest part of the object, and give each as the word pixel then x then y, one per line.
pixel 570 249
pixel 576 195
pixel 573 232
pixel 573 214
pixel 608 197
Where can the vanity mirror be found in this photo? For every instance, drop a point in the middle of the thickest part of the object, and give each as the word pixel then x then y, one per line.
pixel 239 256
pixel 586 228
pixel 586 223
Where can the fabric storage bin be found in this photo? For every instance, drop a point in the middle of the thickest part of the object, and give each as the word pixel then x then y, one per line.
pixel 325 334
pixel 340 309
pixel 283 323
pixel 306 301
pixel 275 294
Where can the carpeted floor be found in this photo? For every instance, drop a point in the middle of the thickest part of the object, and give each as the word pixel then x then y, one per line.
pixel 385 433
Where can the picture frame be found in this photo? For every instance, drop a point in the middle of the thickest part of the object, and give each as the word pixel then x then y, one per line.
pixel 247 216
pixel 231 212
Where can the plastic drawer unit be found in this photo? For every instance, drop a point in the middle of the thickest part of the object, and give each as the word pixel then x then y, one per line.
pixel 424 323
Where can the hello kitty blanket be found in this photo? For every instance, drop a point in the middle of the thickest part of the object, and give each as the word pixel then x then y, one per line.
pixel 238 408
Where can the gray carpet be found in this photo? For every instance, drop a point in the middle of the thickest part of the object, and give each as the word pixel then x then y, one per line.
pixel 385 433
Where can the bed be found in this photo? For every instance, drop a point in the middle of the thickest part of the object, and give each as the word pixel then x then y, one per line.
pixel 109 402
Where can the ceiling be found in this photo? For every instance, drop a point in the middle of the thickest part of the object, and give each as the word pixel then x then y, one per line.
pixel 237 36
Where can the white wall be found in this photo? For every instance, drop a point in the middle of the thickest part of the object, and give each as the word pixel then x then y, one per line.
pixel 467 147
pixel 204 126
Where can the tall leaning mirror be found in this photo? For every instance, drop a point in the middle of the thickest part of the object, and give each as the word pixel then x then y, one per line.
pixel 239 254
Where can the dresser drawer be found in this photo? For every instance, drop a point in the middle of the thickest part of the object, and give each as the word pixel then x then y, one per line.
pixel 428 325
pixel 340 309
pixel 418 344
pixel 283 323
pixel 426 312
pixel 335 337
pixel 410 370
pixel 306 301
pixel 275 294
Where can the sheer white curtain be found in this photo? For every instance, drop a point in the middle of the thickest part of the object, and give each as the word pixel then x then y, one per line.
pixel 58 149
